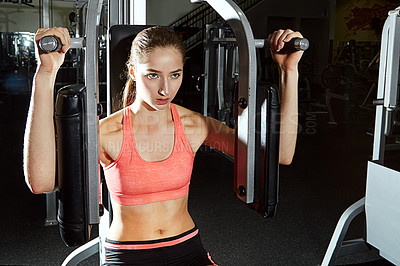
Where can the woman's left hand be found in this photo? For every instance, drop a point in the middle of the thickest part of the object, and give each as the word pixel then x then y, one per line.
pixel 278 39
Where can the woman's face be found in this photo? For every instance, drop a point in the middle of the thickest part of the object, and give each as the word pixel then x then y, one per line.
pixel 159 78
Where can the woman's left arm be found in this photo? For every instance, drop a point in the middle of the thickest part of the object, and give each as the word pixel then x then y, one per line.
pixel 288 70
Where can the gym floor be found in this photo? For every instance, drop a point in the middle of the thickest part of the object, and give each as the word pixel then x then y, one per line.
pixel 327 175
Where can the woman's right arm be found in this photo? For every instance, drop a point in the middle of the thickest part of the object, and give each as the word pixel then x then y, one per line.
pixel 39 140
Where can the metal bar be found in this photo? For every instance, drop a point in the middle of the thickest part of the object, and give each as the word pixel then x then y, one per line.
pixel 126 12
pixel 77 43
pixel 246 114
pixel 206 71
pixel 112 13
pixel 392 65
pixel 220 72
pixel 77 19
pixel 92 89
pixel 340 231
pixel 81 253
pixel 259 43
pixel 51 209
pixel 354 246
pixel 131 12
pixel 51 199
pixel 83 19
pixel 235 61
pixel 379 136
pixel 120 12
pixel 139 12
pixel 46 14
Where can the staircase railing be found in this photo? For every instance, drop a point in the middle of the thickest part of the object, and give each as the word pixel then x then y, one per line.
pixel 192 26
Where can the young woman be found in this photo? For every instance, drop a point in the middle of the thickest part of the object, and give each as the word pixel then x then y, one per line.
pixel 147 148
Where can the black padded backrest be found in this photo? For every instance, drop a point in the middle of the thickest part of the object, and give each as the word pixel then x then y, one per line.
pixel 266 183
pixel 120 41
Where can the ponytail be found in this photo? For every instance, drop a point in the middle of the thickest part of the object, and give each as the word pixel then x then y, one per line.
pixel 129 92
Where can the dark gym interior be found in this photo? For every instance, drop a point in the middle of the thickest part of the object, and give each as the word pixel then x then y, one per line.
pixel 328 172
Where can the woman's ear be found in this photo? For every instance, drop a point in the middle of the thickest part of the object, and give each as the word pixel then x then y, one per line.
pixel 131 72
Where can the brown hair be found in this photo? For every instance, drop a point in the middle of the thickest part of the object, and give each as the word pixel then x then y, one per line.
pixel 145 42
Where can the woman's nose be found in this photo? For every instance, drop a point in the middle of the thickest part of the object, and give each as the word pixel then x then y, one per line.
pixel 164 88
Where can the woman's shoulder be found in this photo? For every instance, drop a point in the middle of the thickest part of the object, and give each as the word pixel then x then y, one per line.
pixel 111 123
pixel 189 117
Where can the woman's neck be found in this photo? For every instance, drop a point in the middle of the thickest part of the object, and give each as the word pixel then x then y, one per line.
pixel 147 115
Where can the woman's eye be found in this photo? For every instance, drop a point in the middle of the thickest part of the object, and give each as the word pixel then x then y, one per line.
pixel 176 75
pixel 152 76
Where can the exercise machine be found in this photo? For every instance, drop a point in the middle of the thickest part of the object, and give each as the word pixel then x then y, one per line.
pixel 256 170
pixel 256 108
pixel 76 116
pixel 381 202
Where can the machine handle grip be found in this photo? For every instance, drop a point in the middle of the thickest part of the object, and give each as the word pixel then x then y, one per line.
pixel 295 44
pixel 50 44
pixel 53 43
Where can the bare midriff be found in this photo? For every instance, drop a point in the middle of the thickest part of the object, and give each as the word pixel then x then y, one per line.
pixel 150 221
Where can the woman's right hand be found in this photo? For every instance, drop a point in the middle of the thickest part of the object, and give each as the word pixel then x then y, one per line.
pixel 51 62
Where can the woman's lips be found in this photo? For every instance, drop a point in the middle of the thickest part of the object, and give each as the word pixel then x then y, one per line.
pixel 162 101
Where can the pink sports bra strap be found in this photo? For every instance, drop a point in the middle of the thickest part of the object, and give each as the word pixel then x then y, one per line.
pixel 127 126
pixel 180 130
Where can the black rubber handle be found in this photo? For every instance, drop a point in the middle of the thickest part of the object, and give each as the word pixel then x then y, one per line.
pixel 50 44
pixel 295 44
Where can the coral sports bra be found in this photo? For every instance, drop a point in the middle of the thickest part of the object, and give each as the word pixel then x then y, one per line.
pixel 132 181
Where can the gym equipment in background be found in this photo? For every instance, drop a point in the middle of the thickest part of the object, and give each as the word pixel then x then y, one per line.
pixel 381 202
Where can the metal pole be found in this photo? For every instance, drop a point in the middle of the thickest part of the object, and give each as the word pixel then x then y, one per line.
pixel 131 12
pixel 77 19
pixel 206 69
pixel 392 66
pixel 51 209
pixel 120 12
pixel 340 231
pixel 139 12
pixel 246 112
pixel 126 12
pixel 113 9
pixel 92 89
pixel 220 71
pixel 81 253
pixel 379 136
pixel 45 14
pixel 51 199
